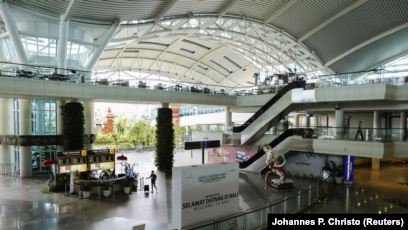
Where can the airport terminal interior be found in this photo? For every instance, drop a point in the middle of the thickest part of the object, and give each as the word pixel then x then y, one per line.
pixel 200 114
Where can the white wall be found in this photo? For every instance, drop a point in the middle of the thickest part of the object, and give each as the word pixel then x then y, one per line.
pixel 212 119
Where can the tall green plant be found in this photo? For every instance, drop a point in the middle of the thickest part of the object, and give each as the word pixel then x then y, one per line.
pixel 164 155
pixel 73 125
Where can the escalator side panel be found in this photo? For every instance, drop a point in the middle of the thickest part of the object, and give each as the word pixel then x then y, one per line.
pixel 288 133
pixel 272 101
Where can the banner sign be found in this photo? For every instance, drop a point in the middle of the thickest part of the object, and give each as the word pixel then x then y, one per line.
pixel 348 168
pixel 201 144
pixel 202 193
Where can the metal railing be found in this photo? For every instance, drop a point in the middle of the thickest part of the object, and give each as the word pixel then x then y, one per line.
pixel 257 218
pixel 9 69
pixel 383 75
pixel 8 169
pixel 351 134
pixel 361 134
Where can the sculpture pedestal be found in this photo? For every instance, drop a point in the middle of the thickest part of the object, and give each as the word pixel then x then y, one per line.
pixel 278 184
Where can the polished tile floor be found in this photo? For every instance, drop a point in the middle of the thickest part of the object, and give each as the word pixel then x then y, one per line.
pixel 372 192
pixel 23 206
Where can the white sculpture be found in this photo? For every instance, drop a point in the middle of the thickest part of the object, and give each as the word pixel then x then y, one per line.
pixel 275 163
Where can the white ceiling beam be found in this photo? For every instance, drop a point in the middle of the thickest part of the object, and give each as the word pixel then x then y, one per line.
pixel 164 10
pixel 62 42
pixel 163 52
pixel 179 65
pixel 102 43
pixel 154 50
pixel 388 60
pixel 369 41
pixel 279 11
pixel 332 19
pixel 4 35
pixel 69 10
pixel 223 11
pixel 226 7
pixel 204 57
pixel 12 29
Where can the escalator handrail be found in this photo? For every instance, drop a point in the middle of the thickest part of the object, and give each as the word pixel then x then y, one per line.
pixel 267 105
pixel 274 143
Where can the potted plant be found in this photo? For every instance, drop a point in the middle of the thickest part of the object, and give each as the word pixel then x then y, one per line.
pixel 86 191
pixel 106 190
pixel 126 186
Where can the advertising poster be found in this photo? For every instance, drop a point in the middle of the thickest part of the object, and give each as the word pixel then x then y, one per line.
pixel 202 193
pixel 228 153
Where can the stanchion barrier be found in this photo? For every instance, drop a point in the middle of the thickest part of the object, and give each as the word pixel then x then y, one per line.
pixel 141 183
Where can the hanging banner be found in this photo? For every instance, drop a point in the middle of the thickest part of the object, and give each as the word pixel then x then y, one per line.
pixel 202 193
pixel 348 168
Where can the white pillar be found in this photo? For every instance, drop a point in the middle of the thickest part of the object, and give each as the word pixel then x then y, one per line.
pixel 5 129
pixel 314 121
pixel 403 125
pixel 339 117
pixel 60 123
pixel 297 120
pixel 89 119
pixel 376 124
pixel 228 119
pixel 25 129
pixel 62 42
pixel 308 120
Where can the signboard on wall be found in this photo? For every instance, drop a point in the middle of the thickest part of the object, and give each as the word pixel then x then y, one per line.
pixel 202 193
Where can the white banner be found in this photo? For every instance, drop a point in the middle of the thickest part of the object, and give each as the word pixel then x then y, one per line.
pixel 205 192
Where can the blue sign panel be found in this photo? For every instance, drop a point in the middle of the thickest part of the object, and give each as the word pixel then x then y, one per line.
pixel 348 168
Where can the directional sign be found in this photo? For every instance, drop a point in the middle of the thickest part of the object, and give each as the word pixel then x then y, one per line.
pixel 201 144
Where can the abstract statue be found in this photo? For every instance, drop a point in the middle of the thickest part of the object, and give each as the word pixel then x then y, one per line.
pixel 275 163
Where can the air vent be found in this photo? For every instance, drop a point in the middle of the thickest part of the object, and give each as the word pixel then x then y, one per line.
pixel 233 62
pixel 187 50
pixel 221 66
pixel 154 43
pixel 131 50
pixel 202 66
pixel 196 44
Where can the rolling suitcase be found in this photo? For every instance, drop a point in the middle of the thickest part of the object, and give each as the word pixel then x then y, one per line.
pixel 146 189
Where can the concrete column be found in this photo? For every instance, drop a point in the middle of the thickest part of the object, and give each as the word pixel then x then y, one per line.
pixel 297 121
pixel 205 128
pixel 228 119
pixel 60 123
pixel 5 129
pixel 376 124
pixel 314 121
pixel 308 120
pixel 403 125
pixel 375 164
pixel 339 117
pixel 89 120
pixel 25 129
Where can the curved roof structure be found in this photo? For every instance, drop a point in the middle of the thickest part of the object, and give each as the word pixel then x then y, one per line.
pixel 225 41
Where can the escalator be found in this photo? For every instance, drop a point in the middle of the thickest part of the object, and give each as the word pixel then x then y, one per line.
pixel 302 132
pixel 271 102
pixel 270 113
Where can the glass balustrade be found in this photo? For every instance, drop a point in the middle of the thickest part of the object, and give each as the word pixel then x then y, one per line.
pixel 352 133
pixel 258 218
pixel 387 75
